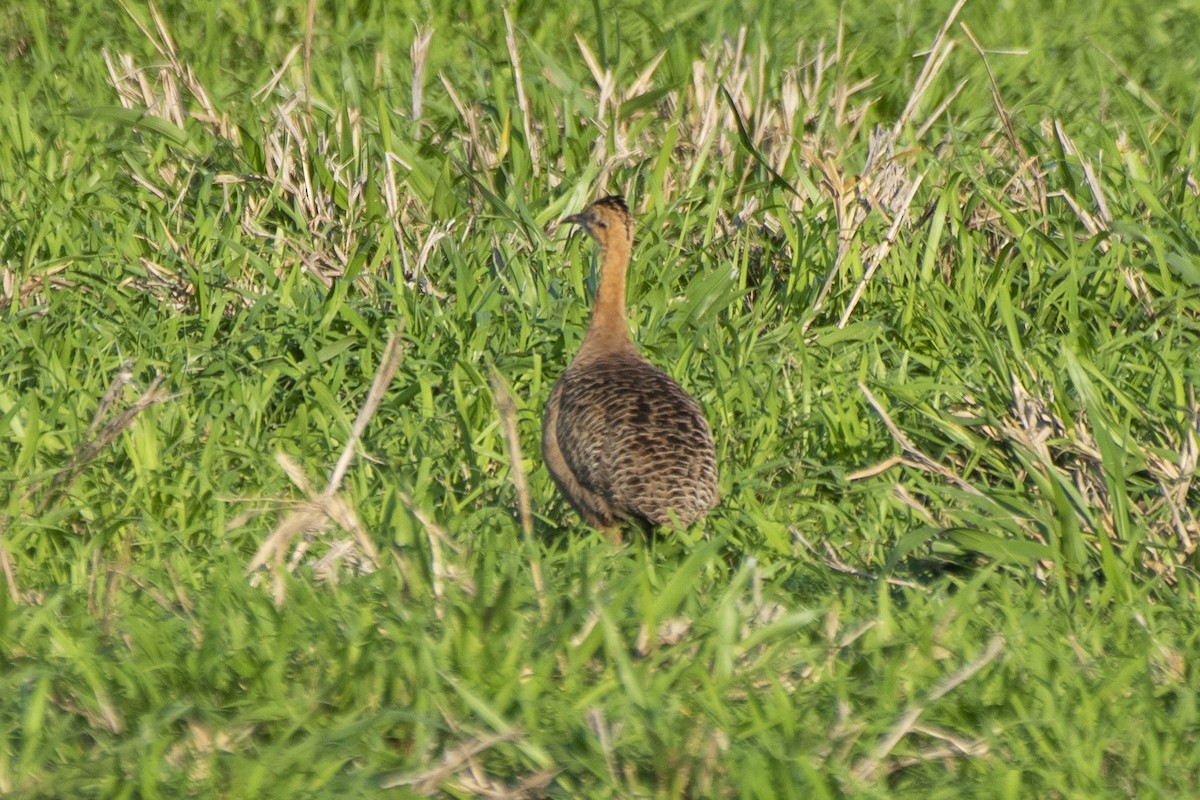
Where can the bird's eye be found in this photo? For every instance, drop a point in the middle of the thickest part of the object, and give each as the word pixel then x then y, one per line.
pixel 601 223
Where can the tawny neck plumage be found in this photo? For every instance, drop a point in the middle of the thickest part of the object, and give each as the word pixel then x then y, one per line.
pixel 609 327
pixel 609 223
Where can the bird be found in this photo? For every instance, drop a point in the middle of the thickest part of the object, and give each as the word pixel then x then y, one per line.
pixel 624 443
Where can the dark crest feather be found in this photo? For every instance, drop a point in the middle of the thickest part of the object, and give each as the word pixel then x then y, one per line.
pixel 613 201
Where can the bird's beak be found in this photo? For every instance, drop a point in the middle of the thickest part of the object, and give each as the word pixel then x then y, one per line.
pixel 577 219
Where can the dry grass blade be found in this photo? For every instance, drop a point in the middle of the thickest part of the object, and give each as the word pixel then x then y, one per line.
pixel 529 787
pixel 913 453
pixel 602 730
pixel 603 77
pixel 427 782
pixel 869 767
pixel 16 294
pixel 389 362
pixel 1175 480
pixel 901 493
pixel 508 420
pixel 841 192
pixel 1028 178
pixel 645 80
pixel 10 572
pixel 882 249
pixel 437 562
pixel 1089 175
pixel 271 85
pixel 835 563
pixel 875 469
pixel 941 109
pixel 179 73
pixel 478 156
pixel 535 158
pixel 315 513
pixel 123 378
pixel 884 184
pixel 310 21
pixel 958 748
pixel 419 53
pixel 334 507
pixel 934 61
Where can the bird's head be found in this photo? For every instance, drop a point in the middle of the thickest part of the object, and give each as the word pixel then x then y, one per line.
pixel 607 220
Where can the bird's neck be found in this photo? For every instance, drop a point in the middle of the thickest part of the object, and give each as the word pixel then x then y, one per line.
pixel 609 328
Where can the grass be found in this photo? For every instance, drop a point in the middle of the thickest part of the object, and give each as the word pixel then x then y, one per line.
pixel 932 273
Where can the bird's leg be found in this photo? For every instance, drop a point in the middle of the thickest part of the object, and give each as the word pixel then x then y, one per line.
pixel 612 533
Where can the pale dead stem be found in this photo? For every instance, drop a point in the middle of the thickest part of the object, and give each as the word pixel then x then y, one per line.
pixel 1027 184
pixel 479 784
pixel 453 761
pixel 913 456
pixel 98 438
pixel 168 103
pixel 319 510
pixel 1176 479
pixel 461 770
pixel 847 731
pixel 310 23
pixel 508 421
pixel 514 57
pixel 604 732
pixel 834 561
pixel 1059 449
pixel 196 746
pixel 7 567
pixel 33 287
pixel 608 121
pixel 418 54
pixel 955 747
pixel 876 256
pixel 1071 450
pixel 425 237
pixel 290 145
pixel 997 100
pixel 884 185
pixel 1102 220
pixel 272 84
pixel 869 767
pixel 480 158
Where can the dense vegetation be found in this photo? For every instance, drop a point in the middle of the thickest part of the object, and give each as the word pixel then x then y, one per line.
pixel 933 273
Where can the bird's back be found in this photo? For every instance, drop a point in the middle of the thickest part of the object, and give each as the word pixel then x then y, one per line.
pixel 625 442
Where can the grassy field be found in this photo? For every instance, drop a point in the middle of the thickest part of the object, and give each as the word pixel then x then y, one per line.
pixel 283 295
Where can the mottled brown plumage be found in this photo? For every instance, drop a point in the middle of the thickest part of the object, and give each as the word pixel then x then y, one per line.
pixel 622 440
